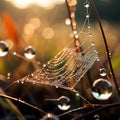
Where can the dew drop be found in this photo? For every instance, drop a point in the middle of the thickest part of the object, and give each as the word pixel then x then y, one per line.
pixel 74 32
pixel 89 26
pixel 3 49
pixel 96 117
pixel 110 54
pixel 8 75
pixel 103 72
pixel 87 15
pixel 22 82
pixel 90 34
pixel 67 21
pixel 77 94
pixel 50 116
pixel 14 53
pixel 96 51
pixel 102 89
pixel 63 103
pixel 86 4
pixel 77 43
pixel 44 65
pixel 73 16
pixel 97 58
pixel 29 52
pixel 92 43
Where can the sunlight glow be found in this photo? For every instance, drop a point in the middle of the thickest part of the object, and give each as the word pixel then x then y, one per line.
pixel 42 3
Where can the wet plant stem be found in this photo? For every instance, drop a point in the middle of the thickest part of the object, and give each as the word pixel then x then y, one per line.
pixel 106 45
pixel 73 27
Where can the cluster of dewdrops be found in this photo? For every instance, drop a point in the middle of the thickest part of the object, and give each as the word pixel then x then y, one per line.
pixel 29 51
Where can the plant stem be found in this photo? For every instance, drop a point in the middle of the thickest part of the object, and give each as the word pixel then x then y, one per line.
pixel 100 108
pixel 23 102
pixel 73 27
pixel 106 45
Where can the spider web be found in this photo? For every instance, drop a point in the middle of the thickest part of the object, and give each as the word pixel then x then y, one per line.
pixel 65 69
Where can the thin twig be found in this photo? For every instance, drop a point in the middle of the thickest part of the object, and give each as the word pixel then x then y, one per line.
pixel 23 102
pixel 73 27
pixel 103 107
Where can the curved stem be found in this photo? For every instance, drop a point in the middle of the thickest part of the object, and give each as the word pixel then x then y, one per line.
pixel 106 45
pixel 73 27
pixel 23 102
pixel 103 107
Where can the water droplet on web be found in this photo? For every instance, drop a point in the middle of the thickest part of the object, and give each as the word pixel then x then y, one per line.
pixel 14 53
pixel 89 26
pixel 77 94
pixel 29 52
pixel 95 51
pixel 96 117
pixel 103 72
pixel 50 116
pixel 73 16
pixel 22 82
pixel 77 43
pixel 86 4
pixel 3 49
pixel 8 75
pixel 74 32
pixel 44 65
pixel 110 54
pixel 63 103
pixel 87 15
pixel 67 21
pixel 97 58
pixel 90 34
pixel 92 43
pixel 102 89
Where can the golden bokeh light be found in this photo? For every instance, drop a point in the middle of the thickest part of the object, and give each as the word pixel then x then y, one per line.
pixel 29 29
pixel 42 3
pixel 36 22
pixel 48 33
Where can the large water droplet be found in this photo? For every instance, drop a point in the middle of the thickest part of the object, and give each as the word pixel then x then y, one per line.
pixel 3 49
pixel 29 52
pixel 50 116
pixel 102 89
pixel 103 72
pixel 63 103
